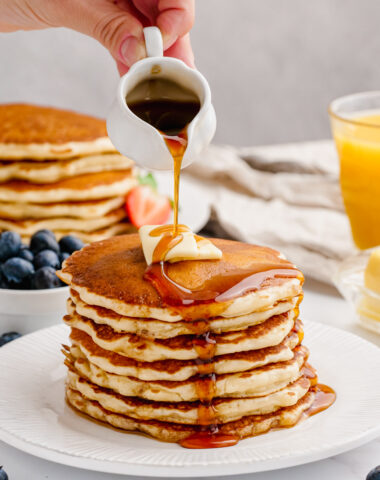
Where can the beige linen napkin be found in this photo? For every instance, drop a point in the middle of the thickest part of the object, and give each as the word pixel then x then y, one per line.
pixel 284 196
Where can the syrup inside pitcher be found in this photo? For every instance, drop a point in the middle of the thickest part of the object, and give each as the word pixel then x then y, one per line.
pixel 164 104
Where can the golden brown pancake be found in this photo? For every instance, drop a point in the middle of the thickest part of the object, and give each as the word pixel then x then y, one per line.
pixel 28 227
pixel 257 382
pixel 55 170
pixel 174 432
pixel 151 328
pixel 267 334
pixel 120 228
pixel 83 187
pixel 37 133
pixel 85 210
pixel 179 370
pixel 228 409
pixel 111 273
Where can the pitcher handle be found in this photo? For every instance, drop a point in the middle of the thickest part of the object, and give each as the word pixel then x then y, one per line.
pixel 153 42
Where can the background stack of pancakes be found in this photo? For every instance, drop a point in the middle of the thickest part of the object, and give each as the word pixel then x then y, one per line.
pixel 136 362
pixel 59 170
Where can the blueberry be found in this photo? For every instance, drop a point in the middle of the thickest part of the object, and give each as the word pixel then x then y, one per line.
pixel 70 244
pixel 6 338
pixel 45 277
pixel 43 240
pixel 46 232
pixel 25 253
pixel 374 474
pixel 17 269
pixel 63 256
pixel 46 258
pixel 3 475
pixel 10 243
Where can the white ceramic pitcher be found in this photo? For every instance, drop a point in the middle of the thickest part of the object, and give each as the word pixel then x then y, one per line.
pixel 140 141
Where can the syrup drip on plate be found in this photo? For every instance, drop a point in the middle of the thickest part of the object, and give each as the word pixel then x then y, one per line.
pixel 325 396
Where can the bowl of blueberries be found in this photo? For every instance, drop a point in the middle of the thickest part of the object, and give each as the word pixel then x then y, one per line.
pixel 31 294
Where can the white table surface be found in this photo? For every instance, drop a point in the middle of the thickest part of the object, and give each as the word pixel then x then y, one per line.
pixel 321 304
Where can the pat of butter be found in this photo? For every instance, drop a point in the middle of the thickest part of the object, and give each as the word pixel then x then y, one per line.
pixel 189 246
pixel 372 272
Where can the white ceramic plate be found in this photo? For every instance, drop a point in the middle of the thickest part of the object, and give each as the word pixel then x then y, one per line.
pixel 194 208
pixel 35 418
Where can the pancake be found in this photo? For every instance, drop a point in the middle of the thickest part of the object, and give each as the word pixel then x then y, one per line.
pixel 39 133
pixel 110 274
pixel 177 370
pixel 227 410
pixel 55 170
pixel 269 333
pixel 120 228
pixel 28 227
pixel 203 346
pixel 170 432
pixel 252 383
pixel 83 187
pixel 85 210
pixel 151 328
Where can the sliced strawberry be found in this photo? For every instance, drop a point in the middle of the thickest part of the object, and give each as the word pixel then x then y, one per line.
pixel 147 207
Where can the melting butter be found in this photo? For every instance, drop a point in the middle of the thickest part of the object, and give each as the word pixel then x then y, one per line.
pixel 159 243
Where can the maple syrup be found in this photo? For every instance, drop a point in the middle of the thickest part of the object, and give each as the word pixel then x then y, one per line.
pixel 169 108
pixel 325 396
pixel 297 328
pixel 310 373
pixel 209 436
pixel 219 288
pixel 169 239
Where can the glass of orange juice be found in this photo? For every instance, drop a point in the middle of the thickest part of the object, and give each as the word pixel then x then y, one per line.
pixel 355 121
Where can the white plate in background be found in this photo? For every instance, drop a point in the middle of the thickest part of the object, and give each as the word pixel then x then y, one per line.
pixel 35 418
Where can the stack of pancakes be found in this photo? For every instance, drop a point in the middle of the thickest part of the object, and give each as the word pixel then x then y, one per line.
pixel 59 170
pixel 135 360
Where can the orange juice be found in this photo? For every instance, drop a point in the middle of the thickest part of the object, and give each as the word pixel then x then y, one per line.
pixel 358 144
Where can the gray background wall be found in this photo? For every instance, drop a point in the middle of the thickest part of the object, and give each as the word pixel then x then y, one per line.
pixel 273 65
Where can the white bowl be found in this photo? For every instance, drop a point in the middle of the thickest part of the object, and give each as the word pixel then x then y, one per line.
pixel 25 311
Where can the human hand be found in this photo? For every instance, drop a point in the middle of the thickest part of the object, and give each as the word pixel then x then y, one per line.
pixel 116 24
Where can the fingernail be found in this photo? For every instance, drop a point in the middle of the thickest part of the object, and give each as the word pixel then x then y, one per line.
pixel 131 50
pixel 168 39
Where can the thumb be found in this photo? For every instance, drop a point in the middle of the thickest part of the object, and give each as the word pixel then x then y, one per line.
pixel 114 27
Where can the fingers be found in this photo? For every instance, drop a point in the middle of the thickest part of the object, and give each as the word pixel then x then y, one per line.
pixel 182 49
pixel 112 25
pixel 175 19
